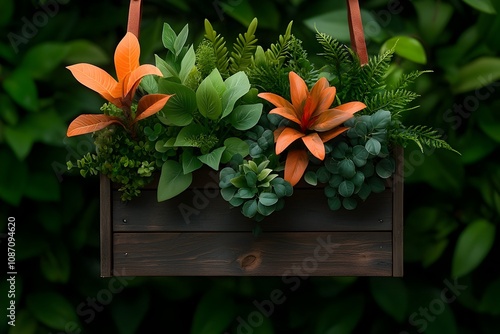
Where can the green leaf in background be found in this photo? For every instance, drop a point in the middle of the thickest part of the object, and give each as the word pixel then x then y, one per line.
pixel 8 111
pixel 335 23
pixel 172 181
pixel 489 302
pixel 43 187
pixel 473 244
pixel 391 295
pixel 406 47
pixel 129 309
pixel 208 319
pixel 478 73
pixel 42 59
pixel 433 16
pixel 55 264
pixel 13 178
pixel 341 316
pixel 489 121
pixel 84 51
pixel 52 309
pixel 6 12
pixel 484 6
pixel 240 10
pixel 245 116
pixel 22 89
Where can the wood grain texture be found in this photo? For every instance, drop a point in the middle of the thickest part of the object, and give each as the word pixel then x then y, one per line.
pixel 105 227
pixel 205 210
pixel 283 254
pixel 397 215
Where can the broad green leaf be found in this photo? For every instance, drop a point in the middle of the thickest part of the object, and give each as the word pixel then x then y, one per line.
pixel 187 64
pixel 245 116
pixel 22 89
pixel 478 73
pixel 234 146
pixel 180 107
pixel 433 16
pixel 168 37
pixel 473 244
pixel 149 84
pixel 217 82
pixel 208 319
pixel 391 295
pixel 489 302
pixel 237 85
pixel 172 181
pixel 434 252
pixel 208 100
pixel 346 188
pixel 213 158
pixel 13 177
pixel 190 162
pixel 55 264
pixel 42 59
pixel 484 6
pixel 6 12
pixel 241 11
pixel 406 47
pixel 51 309
pixel 83 51
pixel 43 187
pixel 20 139
pixel 25 323
pixel 166 69
pixel 249 209
pixel 187 136
pixel 180 40
pixel 489 121
pixel 129 311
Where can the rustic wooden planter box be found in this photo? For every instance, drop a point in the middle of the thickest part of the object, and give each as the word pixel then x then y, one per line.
pixel 198 234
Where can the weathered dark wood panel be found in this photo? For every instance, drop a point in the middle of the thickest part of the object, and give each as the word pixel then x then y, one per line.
pixel 198 210
pixel 106 228
pixel 240 254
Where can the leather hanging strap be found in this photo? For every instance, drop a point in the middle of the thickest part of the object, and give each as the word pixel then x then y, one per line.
pixel 134 17
pixel 356 29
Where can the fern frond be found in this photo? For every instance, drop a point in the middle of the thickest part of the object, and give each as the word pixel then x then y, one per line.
pixel 243 49
pixel 409 78
pixel 393 100
pixel 423 136
pixel 219 47
pixel 277 52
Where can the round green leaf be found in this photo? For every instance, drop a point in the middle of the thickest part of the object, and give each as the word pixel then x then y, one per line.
pixel 406 47
pixel 268 199
pixel 249 209
pixel 234 146
pixel 385 168
pixel 473 244
pixel 346 188
pixel 311 178
pixel 265 210
pixel 359 155
pixel 334 203
pixel 349 203
pixel 373 146
pixel 347 168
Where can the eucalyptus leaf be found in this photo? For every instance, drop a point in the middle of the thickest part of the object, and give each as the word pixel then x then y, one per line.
pixel 234 146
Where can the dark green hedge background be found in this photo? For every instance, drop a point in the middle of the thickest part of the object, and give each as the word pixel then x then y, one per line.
pixel 452 203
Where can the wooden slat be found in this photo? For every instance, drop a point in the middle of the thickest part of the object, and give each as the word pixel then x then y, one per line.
pixel 105 227
pixel 240 254
pixel 397 216
pixel 199 210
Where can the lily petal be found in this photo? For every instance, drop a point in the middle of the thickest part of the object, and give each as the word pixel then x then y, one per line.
pixel 96 79
pixel 133 80
pixel 288 113
pixel 149 105
pixel 275 99
pixel 322 96
pixel 295 165
pixel 298 91
pixel 315 145
pixel 328 135
pixel 326 98
pixel 90 123
pixel 286 137
pixel 127 55
pixel 331 118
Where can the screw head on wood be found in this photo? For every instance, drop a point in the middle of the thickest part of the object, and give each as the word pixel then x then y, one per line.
pixel 124 221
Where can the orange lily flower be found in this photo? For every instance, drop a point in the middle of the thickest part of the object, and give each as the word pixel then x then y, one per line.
pixel 120 93
pixel 317 122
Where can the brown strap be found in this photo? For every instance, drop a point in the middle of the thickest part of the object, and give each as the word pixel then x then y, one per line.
pixel 134 17
pixel 356 30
